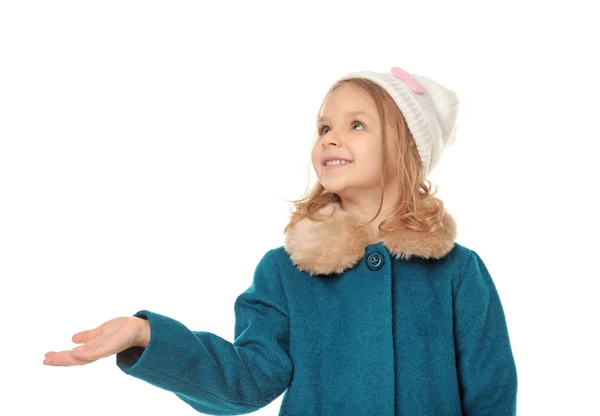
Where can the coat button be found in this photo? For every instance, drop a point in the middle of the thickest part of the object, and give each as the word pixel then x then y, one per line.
pixel 375 261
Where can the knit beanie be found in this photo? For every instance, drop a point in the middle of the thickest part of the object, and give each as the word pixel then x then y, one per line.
pixel 429 108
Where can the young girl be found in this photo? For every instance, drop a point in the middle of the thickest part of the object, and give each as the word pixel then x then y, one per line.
pixel 369 308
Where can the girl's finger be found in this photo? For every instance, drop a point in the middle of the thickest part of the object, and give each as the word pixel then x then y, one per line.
pixel 105 345
pixel 63 358
pixel 90 351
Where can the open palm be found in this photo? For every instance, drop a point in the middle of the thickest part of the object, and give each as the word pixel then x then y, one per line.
pixel 111 337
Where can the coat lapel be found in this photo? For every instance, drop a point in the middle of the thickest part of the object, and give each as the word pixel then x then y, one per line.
pixel 334 245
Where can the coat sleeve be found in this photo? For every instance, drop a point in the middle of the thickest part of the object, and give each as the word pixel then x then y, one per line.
pixel 211 374
pixel 486 367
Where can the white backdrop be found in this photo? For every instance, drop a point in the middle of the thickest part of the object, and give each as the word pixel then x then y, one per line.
pixel 146 148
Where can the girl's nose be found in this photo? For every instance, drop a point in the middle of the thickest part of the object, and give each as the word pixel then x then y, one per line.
pixel 331 139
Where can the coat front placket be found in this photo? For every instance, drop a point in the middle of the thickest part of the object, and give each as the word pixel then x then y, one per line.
pixel 343 344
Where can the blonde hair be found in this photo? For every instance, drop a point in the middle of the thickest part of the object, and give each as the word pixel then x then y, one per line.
pixel 417 208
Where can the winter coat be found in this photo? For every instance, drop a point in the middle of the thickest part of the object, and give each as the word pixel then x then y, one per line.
pixel 411 325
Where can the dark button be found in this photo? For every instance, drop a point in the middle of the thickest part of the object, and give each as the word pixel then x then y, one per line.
pixel 375 261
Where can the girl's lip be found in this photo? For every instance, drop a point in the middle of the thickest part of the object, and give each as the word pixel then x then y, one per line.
pixel 329 167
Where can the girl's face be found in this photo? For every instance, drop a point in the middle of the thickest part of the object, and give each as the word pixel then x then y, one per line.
pixel 350 128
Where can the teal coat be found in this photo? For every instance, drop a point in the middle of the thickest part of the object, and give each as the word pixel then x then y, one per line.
pixel 410 325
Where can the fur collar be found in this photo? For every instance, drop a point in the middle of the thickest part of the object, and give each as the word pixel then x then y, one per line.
pixel 332 246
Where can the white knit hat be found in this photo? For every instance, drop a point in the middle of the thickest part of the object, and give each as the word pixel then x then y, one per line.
pixel 429 108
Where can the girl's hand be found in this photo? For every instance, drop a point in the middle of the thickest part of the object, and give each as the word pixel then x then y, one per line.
pixel 109 338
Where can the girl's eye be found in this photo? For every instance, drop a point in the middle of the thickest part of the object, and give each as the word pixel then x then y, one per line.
pixel 356 121
pixel 323 128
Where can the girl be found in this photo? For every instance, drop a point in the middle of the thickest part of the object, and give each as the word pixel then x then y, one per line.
pixel 369 308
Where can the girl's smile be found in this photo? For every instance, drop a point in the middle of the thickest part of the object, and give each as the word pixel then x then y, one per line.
pixel 336 166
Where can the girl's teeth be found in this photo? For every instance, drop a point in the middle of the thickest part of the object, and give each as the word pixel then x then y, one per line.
pixel 337 162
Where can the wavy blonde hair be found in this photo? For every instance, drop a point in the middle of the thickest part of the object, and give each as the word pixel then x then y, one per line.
pixel 417 208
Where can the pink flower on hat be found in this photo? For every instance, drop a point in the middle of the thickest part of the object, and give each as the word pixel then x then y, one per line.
pixel 408 79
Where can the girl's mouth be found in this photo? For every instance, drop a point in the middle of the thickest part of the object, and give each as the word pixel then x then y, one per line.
pixel 336 166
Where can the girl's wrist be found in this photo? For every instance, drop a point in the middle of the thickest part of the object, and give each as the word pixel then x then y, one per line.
pixel 144 335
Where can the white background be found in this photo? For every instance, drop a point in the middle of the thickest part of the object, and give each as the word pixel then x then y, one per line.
pixel 147 149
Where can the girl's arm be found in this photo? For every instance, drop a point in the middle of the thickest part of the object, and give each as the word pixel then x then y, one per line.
pixel 211 374
pixel 486 366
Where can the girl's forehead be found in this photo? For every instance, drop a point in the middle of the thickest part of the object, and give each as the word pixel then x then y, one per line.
pixel 344 100
pixel 348 92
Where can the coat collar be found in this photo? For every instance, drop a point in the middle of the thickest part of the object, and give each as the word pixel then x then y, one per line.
pixel 332 246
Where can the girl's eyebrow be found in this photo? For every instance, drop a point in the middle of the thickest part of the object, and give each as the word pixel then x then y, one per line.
pixel 350 113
